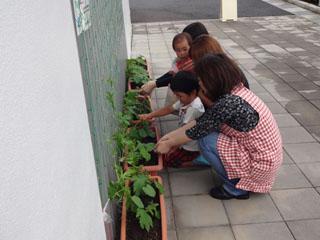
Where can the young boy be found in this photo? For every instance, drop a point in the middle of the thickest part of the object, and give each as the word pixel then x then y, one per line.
pixel 181 44
pixel 185 87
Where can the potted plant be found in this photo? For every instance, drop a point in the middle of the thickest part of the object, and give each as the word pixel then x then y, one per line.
pixel 146 134
pixel 143 206
pixel 137 72
pixel 137 150
pixel 134 104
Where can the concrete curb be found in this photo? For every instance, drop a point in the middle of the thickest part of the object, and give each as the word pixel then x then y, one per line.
pixel 305 5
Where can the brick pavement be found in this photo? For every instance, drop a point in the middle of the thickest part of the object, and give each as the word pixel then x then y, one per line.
pixel 281 58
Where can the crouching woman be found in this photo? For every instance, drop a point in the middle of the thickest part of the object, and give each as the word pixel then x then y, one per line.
pixel 237 134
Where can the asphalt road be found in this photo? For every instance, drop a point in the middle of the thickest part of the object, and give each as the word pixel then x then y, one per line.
pixel 174 10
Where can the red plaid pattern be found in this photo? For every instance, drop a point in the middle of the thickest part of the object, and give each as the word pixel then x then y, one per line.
pixel 252 156
pixel 185 65
pixel 179 156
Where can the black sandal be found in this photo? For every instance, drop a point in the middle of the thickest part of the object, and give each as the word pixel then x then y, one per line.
pixel 220 193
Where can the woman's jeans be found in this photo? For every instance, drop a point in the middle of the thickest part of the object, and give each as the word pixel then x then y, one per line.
pixel 209 151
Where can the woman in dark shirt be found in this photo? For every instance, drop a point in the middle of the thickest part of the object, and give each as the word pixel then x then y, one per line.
pixel 237 134
pixel 194 29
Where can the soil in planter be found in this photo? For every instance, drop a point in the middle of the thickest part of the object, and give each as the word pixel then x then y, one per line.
pixel 118 221
pixel 135 85
pixel 149 140
pixel 152 161
pixel 134 232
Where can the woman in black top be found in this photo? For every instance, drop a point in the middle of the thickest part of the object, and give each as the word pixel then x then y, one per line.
pixel 195 29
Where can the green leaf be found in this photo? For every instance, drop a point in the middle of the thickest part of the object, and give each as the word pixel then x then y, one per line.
pixel 144 153
pixel 145 219
pixel 159 187
pixel 137 201
pixel 149 190
pixel 112 189
pixel 153 210
pixel 139 182
pixel 143 133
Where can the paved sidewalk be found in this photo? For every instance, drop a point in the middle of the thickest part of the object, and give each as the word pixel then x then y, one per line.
pixel 281 58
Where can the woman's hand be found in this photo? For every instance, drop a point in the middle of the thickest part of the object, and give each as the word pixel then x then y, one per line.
pixel 145 117
pixel 148 87
pixel 164 145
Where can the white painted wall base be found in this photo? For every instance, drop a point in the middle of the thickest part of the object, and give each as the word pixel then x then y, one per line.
pixel 48 182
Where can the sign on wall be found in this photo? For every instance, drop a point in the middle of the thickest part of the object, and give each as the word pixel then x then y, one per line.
pixel 82 15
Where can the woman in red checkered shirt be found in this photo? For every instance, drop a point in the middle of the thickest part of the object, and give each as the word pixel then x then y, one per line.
pixel 237 134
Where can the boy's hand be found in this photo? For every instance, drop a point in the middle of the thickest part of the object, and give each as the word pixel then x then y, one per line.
pixel 145 117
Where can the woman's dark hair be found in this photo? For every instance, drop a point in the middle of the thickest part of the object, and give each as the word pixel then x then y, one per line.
pixel 185 82
pixel 195 29
pixel 180 37
pixel 218 74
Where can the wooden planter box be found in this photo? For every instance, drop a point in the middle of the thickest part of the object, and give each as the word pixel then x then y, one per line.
pixel 162 212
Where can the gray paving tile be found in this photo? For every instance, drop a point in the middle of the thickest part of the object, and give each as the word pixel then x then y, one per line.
pixel 198 211
pixel 170 117
pixel 286 158
pixel 306 229
pixel 309 73
pixel 265 97
pixel 306 113
pixel 256 88
pixel 275 107
pixel 310 94
pixel 168 126
pixel 289 176
pixel 170 216
pixel 212 233
pixel 311 170
pixel 165 181
pixel 304 86
pixel 172 235
pixel 295 135
pixel 257 209
pixel 266 78
pixel 286 71
pixel 286 96
pixel 316 103
pixel 297 204
pixel 191 182
pixel 293 78
pixel 314 131
pixel 296 63
pixel 272 87
pixel 285 120
pixel 262 231
pixel 303 152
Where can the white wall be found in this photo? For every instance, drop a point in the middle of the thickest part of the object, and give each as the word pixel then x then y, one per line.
pixel 48 183
pixel 127 24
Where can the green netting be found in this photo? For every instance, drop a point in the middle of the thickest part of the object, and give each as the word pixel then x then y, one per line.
pixel 102 52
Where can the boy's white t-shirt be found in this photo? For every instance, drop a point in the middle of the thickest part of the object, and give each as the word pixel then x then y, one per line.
pixel 186 114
